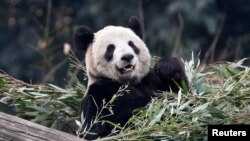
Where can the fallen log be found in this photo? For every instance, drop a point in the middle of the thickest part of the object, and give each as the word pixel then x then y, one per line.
pixel 17 129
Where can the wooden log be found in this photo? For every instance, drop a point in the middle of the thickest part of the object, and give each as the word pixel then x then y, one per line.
pixel 17 129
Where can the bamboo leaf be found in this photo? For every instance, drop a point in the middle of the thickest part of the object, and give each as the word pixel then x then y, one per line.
pixel 157 117
pixel 78 123
pixel 201 107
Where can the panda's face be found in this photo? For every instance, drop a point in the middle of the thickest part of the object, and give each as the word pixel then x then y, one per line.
pixel 118 53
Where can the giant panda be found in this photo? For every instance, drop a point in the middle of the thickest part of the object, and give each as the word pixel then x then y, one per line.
pixel 116 56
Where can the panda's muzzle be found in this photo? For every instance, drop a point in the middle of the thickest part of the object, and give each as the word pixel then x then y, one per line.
pixel 127 57
pixel 127 69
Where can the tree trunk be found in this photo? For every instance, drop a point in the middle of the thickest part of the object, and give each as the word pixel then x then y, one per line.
pixel 17 129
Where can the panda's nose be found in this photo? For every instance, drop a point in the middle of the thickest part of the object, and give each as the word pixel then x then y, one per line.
pixel 127 57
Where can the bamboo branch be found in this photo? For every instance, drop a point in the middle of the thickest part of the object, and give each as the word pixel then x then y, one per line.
pixel 223 54
pixel 141 16
pixel 11 83
pixel 176 50
pixel 53 70
pixel 211 50
pixel 48 18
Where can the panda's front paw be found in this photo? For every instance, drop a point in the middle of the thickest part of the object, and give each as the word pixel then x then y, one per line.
pixel 169 68
pixel 170 71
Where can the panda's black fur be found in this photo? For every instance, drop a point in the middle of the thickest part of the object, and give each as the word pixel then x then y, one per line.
pixel 162 77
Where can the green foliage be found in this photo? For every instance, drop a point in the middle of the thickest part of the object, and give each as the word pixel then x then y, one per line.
pixel 51 106
pixel 217 94
pixel 2 82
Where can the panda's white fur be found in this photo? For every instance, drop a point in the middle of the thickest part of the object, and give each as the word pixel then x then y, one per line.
pixel 96 64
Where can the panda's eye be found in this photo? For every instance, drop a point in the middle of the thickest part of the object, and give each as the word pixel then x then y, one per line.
pixel 134 47
pixel 109 52
pixel 111 48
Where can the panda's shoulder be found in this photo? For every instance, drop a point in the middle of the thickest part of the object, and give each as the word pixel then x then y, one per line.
pixel 103 87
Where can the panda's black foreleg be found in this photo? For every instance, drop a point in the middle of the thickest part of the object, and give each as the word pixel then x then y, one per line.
pixel 93 105
pixel 170 71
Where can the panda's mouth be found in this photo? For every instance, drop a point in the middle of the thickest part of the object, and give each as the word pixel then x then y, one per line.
pixel 127 69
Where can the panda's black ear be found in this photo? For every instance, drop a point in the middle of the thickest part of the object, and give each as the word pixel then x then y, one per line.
pixel 83 37
pixel 135 24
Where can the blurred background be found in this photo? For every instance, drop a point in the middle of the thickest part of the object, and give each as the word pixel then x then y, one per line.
pixel 35 35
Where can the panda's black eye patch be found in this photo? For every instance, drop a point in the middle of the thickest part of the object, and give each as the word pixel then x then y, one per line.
pixel 109 52
pixel 134 47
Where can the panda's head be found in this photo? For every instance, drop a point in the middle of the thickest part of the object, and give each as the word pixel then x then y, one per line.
pixel 114 52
